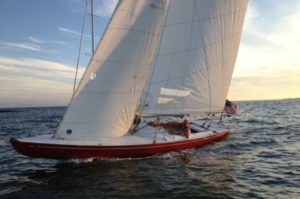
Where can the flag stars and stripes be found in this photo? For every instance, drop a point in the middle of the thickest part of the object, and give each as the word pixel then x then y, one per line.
pixel 230 108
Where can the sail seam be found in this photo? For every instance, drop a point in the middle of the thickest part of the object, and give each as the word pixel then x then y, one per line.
pixel 137 31
pixel 124 62
pixel 187 74
pixel 117 92
pixel 208 18
pixel 203 46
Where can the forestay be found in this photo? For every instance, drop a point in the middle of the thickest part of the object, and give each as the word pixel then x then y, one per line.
pixel 107 97
pixel 196 57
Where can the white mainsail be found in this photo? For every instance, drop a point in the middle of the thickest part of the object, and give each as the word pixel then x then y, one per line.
pixel 107 97
pixel 196 57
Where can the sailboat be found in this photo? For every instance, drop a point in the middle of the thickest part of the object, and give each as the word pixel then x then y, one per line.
pixel 159 67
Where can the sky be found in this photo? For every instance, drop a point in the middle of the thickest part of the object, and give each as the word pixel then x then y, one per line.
pixel 39 43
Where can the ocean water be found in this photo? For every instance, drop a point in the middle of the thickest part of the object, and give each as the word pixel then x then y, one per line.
pixel 260 159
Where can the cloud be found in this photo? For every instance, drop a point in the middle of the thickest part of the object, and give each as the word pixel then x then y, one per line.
pixel 252 14
pixel 102 8
pixel 39 41
pixel 75 33
pixel 35 82
pixel 105 8
pixel 69 31
pixel 26 46
pixel 269 53
pixel 36 67
pixel 276 86
pixel 30 91
pixel 22 46
pixel 270 50
pixel 35 40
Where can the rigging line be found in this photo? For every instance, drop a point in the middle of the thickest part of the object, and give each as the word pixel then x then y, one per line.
pixel 156 56
pixel 79 50
pixel 92 26
pixel 155 134
pixel 207 70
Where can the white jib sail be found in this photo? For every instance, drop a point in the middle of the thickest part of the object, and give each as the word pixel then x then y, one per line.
pixel 108 95
pixel 196 57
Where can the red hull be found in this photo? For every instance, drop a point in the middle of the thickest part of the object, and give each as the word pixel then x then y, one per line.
pixel 64 152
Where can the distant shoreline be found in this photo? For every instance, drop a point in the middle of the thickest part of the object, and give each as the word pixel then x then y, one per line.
pixel 18 109
pixel 5 110
pixel 297 98
pixel 12 109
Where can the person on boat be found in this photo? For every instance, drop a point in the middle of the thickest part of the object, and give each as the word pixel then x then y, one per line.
pixel 135 123
pixel 186 131
pixel 181 128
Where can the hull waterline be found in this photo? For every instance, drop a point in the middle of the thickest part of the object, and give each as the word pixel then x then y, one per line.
pixel 65 152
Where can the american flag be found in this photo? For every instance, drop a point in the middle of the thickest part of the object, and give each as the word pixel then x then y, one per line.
pixel 230 108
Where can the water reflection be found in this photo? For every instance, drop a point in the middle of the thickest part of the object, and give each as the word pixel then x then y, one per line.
pixel 188 173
